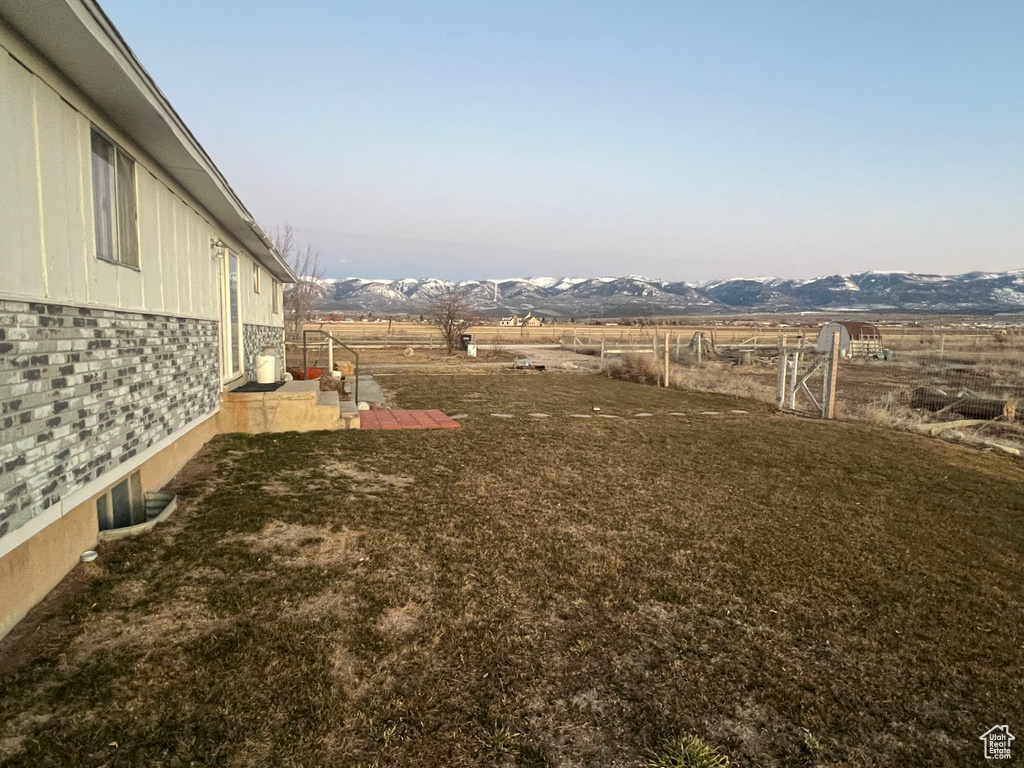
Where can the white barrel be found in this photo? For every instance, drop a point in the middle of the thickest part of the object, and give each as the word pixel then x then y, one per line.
pixel 266 369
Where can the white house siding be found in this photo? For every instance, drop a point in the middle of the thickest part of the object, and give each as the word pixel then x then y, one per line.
pixel 48 247
pixel 98 361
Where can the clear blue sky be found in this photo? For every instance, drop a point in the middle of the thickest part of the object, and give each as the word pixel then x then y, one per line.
pixel 683 140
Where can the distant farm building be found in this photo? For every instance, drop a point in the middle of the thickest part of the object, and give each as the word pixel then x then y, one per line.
pixel 855 338
pixel 517 322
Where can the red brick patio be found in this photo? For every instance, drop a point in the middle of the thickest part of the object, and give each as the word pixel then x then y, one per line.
pixel 384 419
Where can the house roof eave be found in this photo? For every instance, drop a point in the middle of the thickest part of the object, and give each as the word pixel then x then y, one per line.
pixel 79 40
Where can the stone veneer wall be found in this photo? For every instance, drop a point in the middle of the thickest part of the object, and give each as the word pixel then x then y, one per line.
pixel 83 390
pixel 254 339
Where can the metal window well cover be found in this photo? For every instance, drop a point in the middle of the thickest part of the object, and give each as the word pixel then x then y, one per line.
pixel 160 505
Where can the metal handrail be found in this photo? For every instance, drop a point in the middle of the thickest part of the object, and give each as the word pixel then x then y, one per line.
pixel 305 356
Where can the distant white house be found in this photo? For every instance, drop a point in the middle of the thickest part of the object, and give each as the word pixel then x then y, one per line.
pixel 516 321
pixel 134 288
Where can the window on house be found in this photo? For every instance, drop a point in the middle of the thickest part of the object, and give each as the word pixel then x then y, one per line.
pixel 276 288
pixel 123 505
pixel 115 206
pixel 257 278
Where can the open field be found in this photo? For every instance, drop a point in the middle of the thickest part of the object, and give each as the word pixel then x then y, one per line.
pixel 558 591
pixel 432 356
pixel 922 333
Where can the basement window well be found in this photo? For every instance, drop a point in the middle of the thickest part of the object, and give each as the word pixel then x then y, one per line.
pixel 122 505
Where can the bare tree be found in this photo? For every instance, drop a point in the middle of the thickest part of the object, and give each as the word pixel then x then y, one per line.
pixel 299 297
pixel 452 313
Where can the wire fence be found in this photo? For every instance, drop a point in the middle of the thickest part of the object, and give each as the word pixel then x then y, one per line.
pixel 949 383
pixel 910 380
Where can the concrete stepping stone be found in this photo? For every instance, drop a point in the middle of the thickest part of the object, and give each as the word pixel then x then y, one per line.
pixel 636 415
pixel 580 416
pixel 458 416
pixel 541 415
pixel 676 413
pixel 608 416
pixel 503 415
pixel 739 412
pixel 710 413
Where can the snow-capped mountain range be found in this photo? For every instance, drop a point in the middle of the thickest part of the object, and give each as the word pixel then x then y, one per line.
pixel 974 292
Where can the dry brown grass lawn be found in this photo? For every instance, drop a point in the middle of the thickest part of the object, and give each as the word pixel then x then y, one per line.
pixel 560 592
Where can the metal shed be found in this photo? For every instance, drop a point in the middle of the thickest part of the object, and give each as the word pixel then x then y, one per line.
pixel 855 338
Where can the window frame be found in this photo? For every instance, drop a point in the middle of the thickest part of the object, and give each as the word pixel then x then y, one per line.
pixel 257 278
pixel 276 290
pixel 132 484
pixel 120 156
pixel 232 340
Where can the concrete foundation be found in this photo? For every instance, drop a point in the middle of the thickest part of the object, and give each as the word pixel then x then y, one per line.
pixel 29 571
pixel 298 406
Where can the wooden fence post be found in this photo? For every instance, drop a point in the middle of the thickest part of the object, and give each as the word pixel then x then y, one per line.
pixel 792 381
pixel 829 406
pixel 783 359
pixel 666 358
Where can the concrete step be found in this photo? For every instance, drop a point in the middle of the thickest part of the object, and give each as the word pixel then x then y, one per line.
pixel 296 406
pixel 328 399
pixel 349 414
pixel 369 390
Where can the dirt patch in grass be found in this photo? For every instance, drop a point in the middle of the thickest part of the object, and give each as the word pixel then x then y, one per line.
pixel 298 546
pixel 176 620
pixel 323 477
pixel 559 592
pixel 401 622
